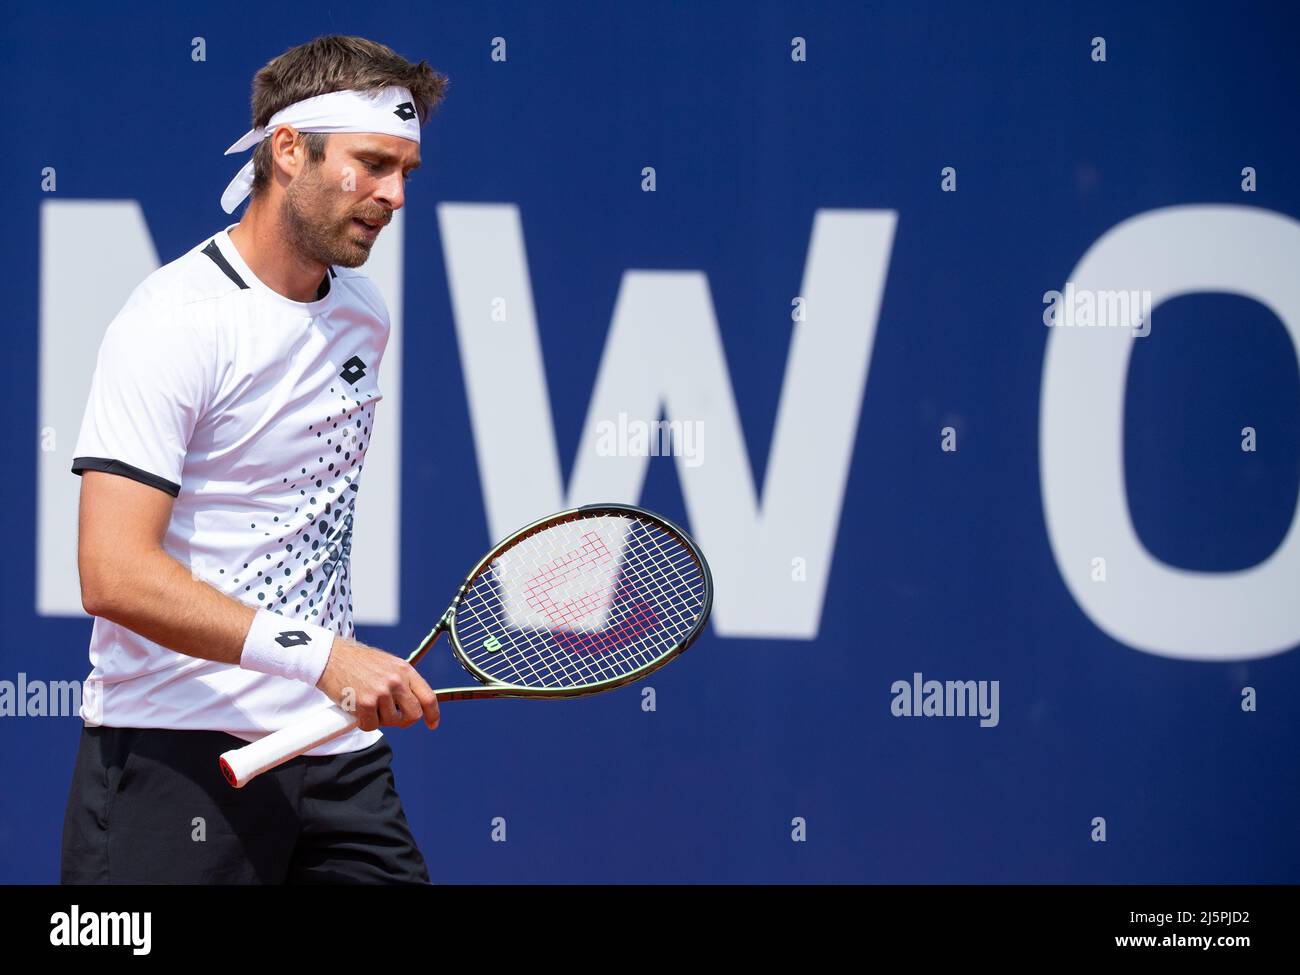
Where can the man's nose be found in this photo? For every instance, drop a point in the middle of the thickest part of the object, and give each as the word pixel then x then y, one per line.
pixel 392 192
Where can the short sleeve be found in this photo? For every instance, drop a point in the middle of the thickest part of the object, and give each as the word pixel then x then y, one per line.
pixel 150 386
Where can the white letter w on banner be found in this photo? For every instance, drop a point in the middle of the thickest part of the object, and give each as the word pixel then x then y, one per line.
pixel 663 357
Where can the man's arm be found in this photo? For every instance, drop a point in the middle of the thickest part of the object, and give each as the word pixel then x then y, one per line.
pixel 127 577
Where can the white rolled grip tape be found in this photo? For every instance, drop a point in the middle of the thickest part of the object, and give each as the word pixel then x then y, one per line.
pixel 241 765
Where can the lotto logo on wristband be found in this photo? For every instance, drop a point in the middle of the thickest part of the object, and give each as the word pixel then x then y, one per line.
pixel 300 653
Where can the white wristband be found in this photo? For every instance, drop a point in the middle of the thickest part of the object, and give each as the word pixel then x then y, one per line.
pixel 286 647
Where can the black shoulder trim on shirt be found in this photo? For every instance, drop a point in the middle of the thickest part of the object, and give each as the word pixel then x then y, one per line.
pixel 332 274
pixel 219 259
pixel 80 464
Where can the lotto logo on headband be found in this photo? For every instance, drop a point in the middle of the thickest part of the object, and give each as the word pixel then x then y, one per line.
pixel 405 111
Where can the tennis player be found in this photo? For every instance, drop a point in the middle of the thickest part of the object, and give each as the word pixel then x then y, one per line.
pixel 221 451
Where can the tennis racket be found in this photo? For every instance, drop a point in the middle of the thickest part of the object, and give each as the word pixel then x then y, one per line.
pixel 581 602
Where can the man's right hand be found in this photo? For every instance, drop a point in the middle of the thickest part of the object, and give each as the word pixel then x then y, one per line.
pixel 379 688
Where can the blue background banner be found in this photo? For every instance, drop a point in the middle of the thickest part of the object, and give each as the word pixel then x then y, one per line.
pixel 773 756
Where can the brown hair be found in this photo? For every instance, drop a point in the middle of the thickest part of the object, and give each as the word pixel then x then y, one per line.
pixel 334 63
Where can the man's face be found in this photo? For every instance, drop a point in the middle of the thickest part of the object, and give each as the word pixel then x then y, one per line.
pixel 334 211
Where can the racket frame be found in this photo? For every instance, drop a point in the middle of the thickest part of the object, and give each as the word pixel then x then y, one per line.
pixel 491 688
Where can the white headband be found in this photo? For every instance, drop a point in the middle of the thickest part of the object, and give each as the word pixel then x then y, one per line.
pixel 388 111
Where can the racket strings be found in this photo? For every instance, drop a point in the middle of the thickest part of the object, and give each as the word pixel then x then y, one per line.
pixel 580 602
pixel 562 665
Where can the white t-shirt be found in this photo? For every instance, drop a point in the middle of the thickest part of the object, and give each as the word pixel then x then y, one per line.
pixel 254 411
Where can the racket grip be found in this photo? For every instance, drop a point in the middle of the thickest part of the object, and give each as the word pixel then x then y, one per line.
pixel 241 765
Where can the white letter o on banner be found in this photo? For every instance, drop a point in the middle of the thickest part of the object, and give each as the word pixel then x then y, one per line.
pixel 1146 603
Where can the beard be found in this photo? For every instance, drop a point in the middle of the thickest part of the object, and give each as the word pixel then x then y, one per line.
pixel 314 231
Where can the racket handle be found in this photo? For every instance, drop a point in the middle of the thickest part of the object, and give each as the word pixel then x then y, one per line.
pixel 241 765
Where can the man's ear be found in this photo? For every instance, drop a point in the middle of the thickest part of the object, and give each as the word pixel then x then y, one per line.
pixel 288 150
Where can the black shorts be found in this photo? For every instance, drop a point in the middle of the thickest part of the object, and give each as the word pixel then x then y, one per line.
pixel 150 806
